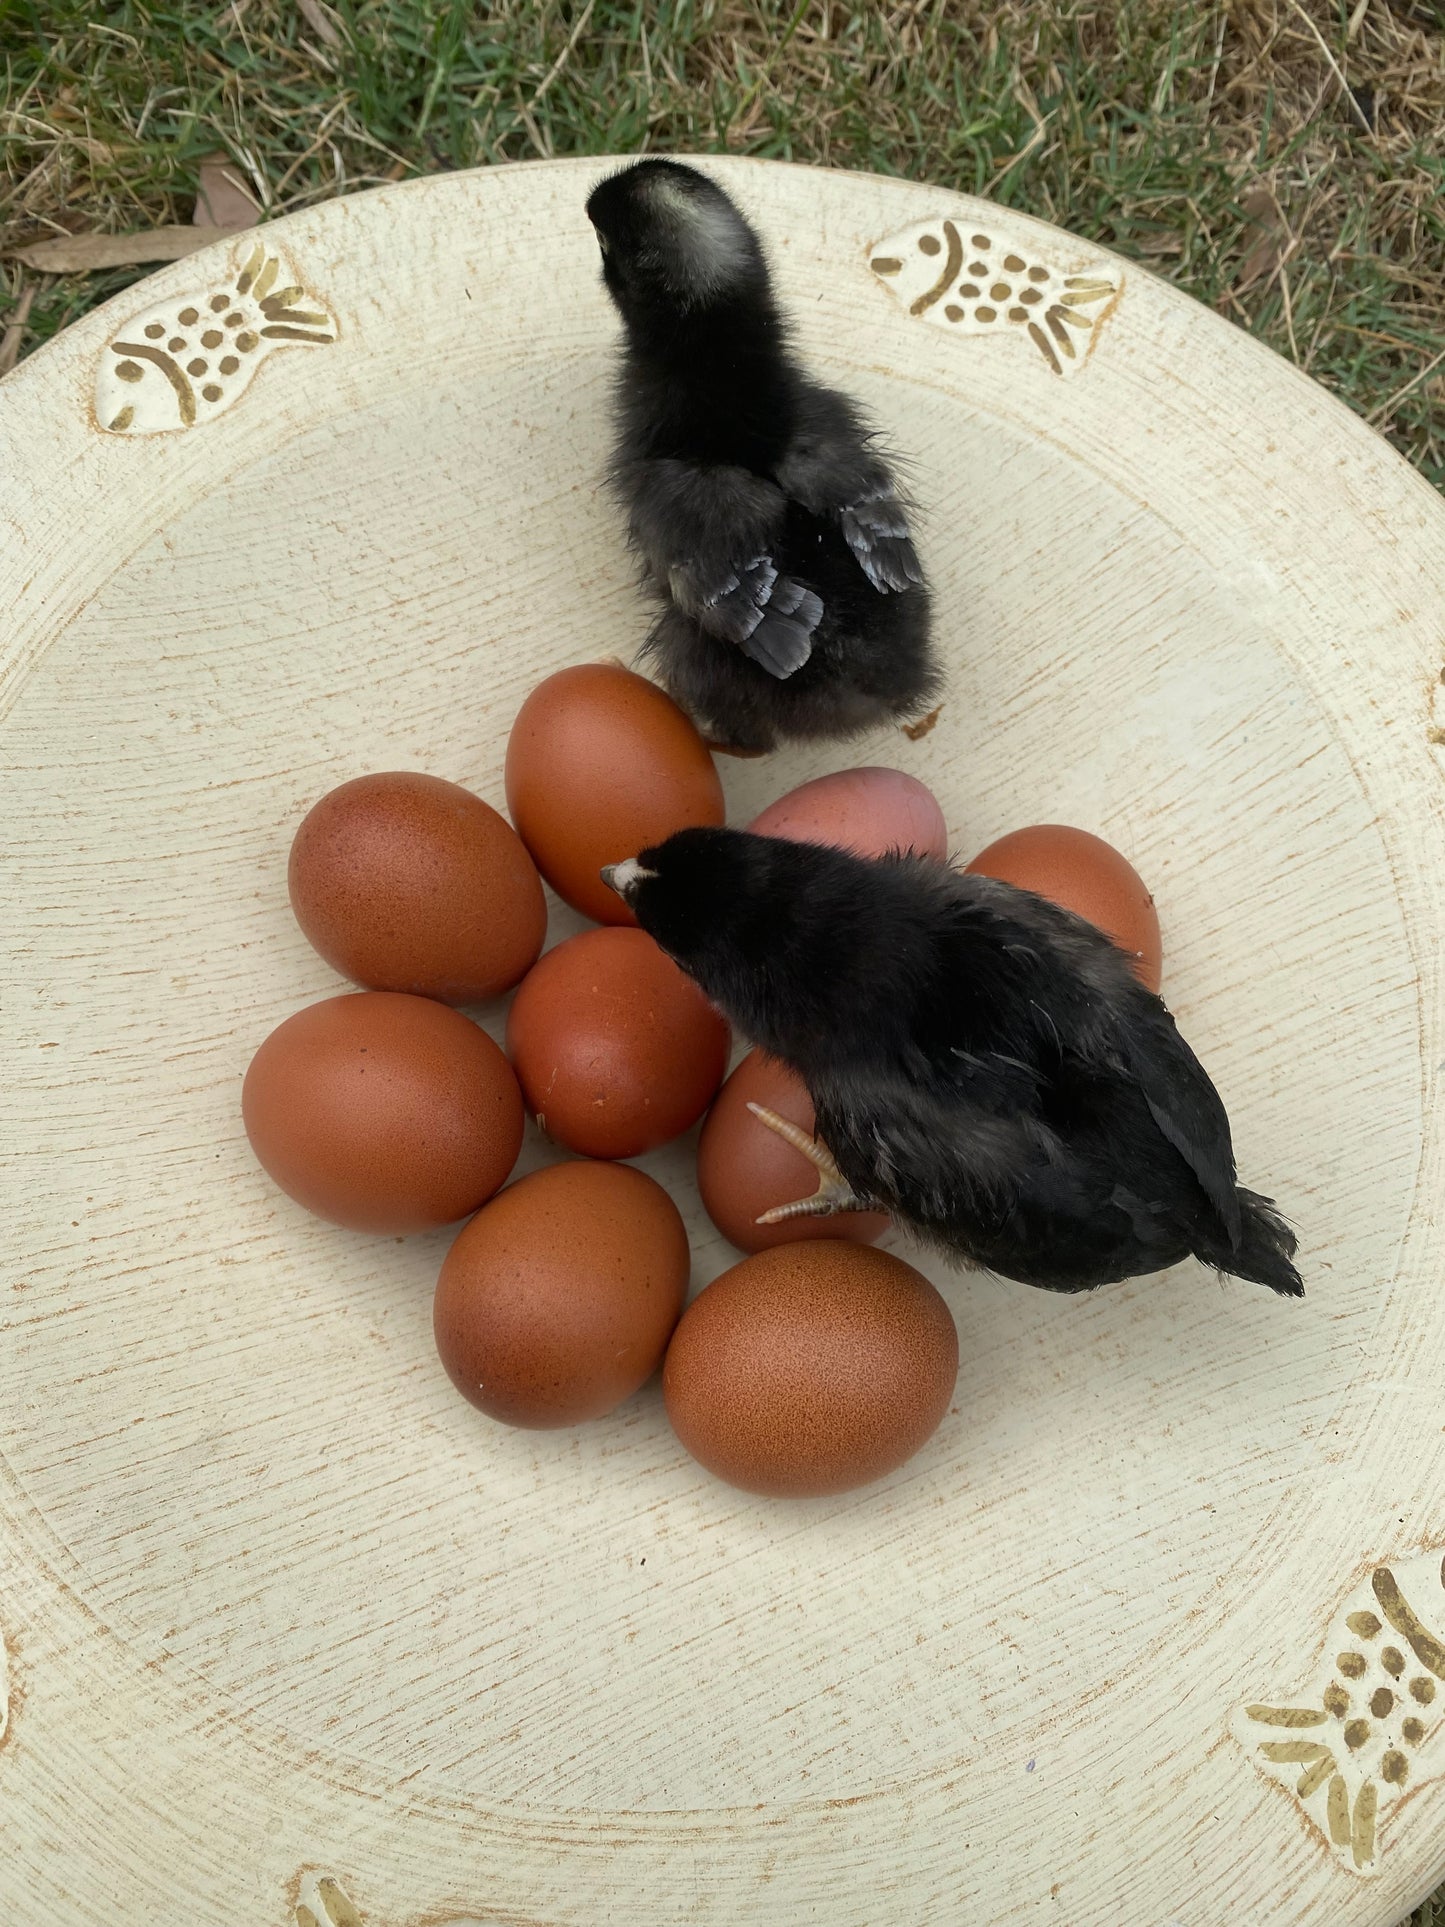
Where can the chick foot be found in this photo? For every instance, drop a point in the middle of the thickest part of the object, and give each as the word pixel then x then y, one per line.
pixel 833 1193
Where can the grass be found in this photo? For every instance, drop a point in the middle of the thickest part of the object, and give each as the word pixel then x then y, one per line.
pixel 1283 160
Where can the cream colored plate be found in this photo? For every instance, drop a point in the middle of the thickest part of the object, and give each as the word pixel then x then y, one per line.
pixel 293 1635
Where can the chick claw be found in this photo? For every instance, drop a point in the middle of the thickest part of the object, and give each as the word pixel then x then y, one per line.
pixel 720 748
pixel 832 1194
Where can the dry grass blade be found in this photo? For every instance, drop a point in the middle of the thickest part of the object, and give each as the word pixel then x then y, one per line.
pixel 1346 89
pixel 320 22
pixel 14 329
pixel 1387 408
pixel 566 54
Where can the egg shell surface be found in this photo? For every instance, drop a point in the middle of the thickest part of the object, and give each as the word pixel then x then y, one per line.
pixel 383 1112
pixel 616 1050
pixel 407 882
pixel 811 1369
pixel 557 1301
pixel 601 764
pixel 869 811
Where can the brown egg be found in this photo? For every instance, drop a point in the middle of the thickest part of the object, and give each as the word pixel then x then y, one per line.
pixel 406 882
pixel 616 1050
pixel 744 1169
pixel 869 811
pixel 601 764
pixel 557 1301
pixel 383 1112
pixel 1089 877
pixel 811 1369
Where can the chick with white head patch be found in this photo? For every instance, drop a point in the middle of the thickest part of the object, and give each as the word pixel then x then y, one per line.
pixel 768 521
pixel 983 1065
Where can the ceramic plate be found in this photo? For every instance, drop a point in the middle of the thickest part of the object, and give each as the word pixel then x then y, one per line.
pixel 1150 1635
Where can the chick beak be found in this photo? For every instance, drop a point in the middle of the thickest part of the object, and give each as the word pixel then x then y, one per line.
pixel 624 877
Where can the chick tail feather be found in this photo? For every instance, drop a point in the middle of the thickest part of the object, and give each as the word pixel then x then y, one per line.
pixel 1265 1249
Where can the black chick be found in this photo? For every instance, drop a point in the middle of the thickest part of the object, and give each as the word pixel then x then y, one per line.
pixel 984 1065
pixel 766 518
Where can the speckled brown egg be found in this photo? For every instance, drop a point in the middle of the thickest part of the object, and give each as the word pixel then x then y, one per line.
pixel 407 882
pixel 811 1369
pixel 383 1112
pixel 1088 876
pixel 602 764
pixel 744 1169
pixel 616 1050
pixel 557 1301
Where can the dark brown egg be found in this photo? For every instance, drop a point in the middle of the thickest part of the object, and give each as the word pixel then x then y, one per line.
pixel 617 1051
pixel 1088 876
pixel 811 1369
pixel 406 882
pixel 601 764
pixel 744 1169
pixel 557 1301
pixel 383 1112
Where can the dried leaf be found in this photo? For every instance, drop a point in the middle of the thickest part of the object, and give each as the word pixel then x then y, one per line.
pixel 222 198
pixel 1267 236
pixel 319 21
pixel 87 253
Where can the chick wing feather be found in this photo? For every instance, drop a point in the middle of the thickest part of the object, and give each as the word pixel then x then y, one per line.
pixel 833 470
pixel 709 534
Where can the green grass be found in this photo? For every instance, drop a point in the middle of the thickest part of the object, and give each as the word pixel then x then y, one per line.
pixel 1195 139
pixel 1140 124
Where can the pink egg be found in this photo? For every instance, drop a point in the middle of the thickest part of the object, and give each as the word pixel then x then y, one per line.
pixel 869 811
